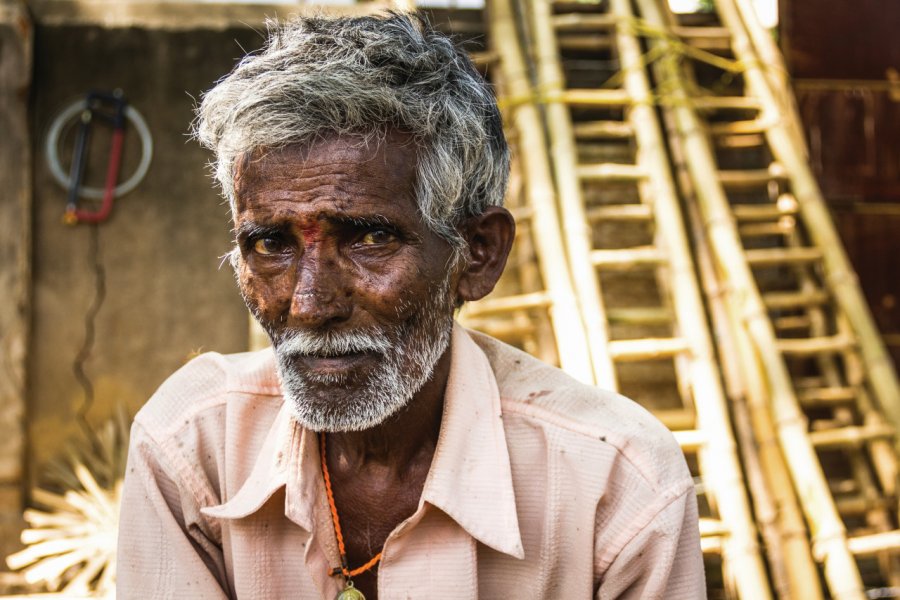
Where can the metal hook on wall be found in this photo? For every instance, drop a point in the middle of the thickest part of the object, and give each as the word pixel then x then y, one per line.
pixel 113 109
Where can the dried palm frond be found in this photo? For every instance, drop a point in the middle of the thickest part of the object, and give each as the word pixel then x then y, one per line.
pixel 71 541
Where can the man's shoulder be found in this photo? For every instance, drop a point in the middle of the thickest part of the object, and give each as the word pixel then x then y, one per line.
pixel 206 383
pixel 607 421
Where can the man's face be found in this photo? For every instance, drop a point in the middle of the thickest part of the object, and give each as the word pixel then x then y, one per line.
pixel 339 268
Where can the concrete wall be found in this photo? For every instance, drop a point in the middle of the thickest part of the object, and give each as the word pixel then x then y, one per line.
pixel 15 217
pixel 166 297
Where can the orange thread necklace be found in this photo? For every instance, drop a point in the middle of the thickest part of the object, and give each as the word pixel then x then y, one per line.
pixel 350 592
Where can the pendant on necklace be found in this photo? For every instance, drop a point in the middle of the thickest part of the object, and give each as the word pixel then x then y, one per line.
pixel 350 593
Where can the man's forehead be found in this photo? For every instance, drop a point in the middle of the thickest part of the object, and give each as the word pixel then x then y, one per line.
pixel 394 151
pixel 337 180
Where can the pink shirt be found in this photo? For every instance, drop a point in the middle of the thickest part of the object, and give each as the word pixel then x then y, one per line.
pixel 540 487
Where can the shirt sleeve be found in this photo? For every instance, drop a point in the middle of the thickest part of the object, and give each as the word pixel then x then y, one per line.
pixel 663 560
pixel 163 552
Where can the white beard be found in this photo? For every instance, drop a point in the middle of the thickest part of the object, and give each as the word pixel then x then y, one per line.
pixel 338 402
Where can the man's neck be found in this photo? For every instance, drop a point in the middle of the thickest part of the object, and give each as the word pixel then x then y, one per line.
pixel 405 438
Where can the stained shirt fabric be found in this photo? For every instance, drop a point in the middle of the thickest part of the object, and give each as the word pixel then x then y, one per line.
pixel 540 487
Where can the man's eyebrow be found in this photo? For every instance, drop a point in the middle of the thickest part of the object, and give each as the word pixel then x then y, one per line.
pixel 359 221
pixel 250 229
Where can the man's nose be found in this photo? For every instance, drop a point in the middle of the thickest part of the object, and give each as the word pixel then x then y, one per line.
pixel 319 297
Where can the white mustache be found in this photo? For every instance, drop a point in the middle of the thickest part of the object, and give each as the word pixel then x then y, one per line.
pixel 332 343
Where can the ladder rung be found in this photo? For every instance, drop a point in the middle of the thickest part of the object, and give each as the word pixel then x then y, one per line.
pixel 843 486
pixel 602 130
pixel 611 172
pixel 585 42
pixel 784 226
pixel 583 22
pixel 627 258
pixel 791 322
pixel 690 440
pixel 725 103
pixel 484 58
pixel 741 178
pixel 856 506
pixel 504 330
pixel 676 419
pixel 702 32
pixel 620 212
pixel 816 345
pixel 766 257
pixel 782 300
pixel 762 212
pixel 711 545
pixel 828 395
pixel 709 43
pixel 595 97
pixel 849 436
pixel 705 38
pixel 807 383
pixel 646 348
pixel 744 127
pixel 874 543
pixel 740 140
pixel 710 527
pixel 639 316
pixel 490 306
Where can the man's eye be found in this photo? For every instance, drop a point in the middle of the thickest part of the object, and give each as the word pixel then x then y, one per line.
pixel 267 245
pixel 377 237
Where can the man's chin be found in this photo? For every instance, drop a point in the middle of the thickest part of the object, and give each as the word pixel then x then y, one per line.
pixel 341 409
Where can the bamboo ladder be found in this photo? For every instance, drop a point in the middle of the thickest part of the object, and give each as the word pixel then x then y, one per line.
pixel 794 301
pixel 648 240
pixel 537 287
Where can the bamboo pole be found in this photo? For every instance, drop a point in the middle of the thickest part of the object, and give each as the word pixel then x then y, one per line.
pixel 839 273
pixel 794 573
pixel 567 326
pixel 764 502
pixel 541 343
pixel 721 468
pixel 871 439
pixel 520 316
pixel 777 511
pixel 576 230
pixel 776 70
pixel 803 581
pixel 828 530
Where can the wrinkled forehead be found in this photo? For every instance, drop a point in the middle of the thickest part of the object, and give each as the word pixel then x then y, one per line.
pixel 392 154
pixel 351 175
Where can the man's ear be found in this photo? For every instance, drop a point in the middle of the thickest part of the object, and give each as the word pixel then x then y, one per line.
pixel 489 236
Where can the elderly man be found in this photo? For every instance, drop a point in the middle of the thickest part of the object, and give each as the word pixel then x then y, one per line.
pixel 379 449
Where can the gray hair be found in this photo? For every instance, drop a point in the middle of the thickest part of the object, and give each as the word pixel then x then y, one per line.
pixel 318 77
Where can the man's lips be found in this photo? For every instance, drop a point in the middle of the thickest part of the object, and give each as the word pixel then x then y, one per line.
pixel 334 364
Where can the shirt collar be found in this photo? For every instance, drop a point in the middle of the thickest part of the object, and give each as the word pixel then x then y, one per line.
pixel 269 473
pixel 470 477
